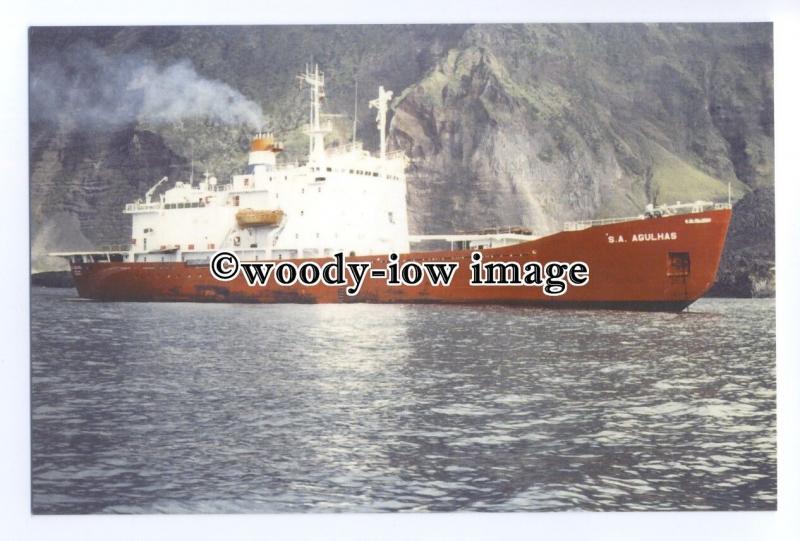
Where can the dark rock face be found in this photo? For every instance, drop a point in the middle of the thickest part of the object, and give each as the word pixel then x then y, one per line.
pixel 81 181
pixel 527 125
pixel 747 268
pixel 52 279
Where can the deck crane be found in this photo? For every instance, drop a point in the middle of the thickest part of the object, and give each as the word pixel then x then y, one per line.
pixel 148 196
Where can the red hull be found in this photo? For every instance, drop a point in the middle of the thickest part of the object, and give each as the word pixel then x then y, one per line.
pixel 656 264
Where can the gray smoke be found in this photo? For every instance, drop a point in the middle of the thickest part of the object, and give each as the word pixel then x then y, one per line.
pixel 99 90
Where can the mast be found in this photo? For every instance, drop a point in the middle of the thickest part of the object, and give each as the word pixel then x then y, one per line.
pixel 315 130
pixel 380 103
pixel 355 113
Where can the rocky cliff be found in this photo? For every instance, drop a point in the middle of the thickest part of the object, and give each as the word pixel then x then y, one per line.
pixel 505 124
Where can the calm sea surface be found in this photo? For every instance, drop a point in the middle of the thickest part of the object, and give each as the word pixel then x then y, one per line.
pixel 142 408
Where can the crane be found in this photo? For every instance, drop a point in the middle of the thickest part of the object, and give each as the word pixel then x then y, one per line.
pixel 151 191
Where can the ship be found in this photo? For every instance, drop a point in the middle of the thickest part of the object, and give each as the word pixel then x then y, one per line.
pixel 346 200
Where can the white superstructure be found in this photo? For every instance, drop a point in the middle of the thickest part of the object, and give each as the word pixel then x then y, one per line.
pixel 344 200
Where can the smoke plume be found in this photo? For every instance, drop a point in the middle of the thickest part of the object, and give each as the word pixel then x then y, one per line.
pixel 97 90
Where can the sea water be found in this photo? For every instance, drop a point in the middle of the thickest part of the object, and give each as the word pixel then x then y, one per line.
pixel 176 408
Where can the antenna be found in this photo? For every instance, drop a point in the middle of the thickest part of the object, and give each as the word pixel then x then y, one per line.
pixel 191 171
pixel 355 113
pixel 729 193
pixel 315 130
pixel 380 103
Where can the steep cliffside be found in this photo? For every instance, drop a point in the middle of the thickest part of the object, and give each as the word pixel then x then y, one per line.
pixel 541 124
pixel 747 268
pixel 505 124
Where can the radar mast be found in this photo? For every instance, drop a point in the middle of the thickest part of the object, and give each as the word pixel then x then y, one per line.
pixel 315 130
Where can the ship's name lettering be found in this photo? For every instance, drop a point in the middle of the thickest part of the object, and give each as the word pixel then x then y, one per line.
pixel 643 237
pixel 553 277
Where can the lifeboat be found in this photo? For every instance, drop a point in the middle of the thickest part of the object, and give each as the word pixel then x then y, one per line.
pixel 258 218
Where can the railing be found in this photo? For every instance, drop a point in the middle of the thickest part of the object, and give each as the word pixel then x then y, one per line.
pixel 585 224
pixel 504 230
pixel 650 212
pixel 114 248
pixel 137 206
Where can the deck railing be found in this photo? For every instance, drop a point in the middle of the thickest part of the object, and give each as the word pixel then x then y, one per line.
pixel 114 248
pixel 138 205
pixel 585 224
pixel 654 212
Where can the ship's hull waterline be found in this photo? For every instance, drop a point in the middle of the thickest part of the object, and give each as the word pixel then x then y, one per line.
pixel 661 264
